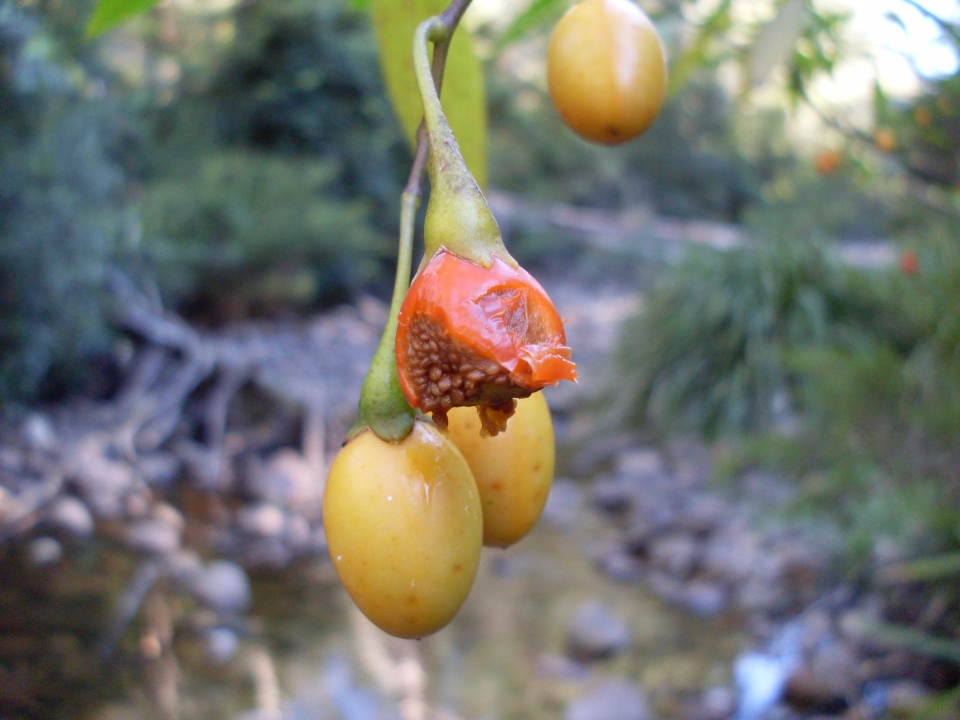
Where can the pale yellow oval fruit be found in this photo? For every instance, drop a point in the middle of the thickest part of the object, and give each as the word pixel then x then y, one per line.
pixel 513 470
pixel 404 529
pixel 606 70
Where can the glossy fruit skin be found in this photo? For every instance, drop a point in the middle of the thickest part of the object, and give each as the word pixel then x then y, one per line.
pixel 404 528
pixel 513 470
pixel 606 70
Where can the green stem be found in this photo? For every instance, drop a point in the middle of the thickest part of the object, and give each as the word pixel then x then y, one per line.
pixel 383 407
pixel 458 217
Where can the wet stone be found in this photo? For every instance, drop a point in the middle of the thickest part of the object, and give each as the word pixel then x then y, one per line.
pixel 596 633
pixel 152 536
pixel 44 551
pixel 70 515
pixel 223 586
pixel 611 700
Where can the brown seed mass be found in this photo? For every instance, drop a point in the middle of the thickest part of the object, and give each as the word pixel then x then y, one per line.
pixel 447 373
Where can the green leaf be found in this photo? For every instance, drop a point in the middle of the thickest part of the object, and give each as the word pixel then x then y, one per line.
pixel 536 14
pixel 697 54
pixel 112 12
pixel 463 95
pixel 359 5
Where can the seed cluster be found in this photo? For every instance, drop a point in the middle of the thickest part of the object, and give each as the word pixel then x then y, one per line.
pixel 445 373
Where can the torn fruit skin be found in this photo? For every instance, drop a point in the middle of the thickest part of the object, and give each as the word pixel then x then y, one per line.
pixel 472 335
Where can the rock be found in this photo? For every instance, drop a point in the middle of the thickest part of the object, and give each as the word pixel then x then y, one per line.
pixel 104 481
pixel 287 479
pixel 640 462
pixel 596 633
pixel 221 644
pixel 718 703
pixel 137 503
pixel 610 700
pixel 676 553
pixel 702 514
pixel 620 566
pixel 44 551
pixel 70 515
pixel 559 667
pixel 732 554
pixel 184 567
pixel 222 586
pixel 152 536
pixel 264 519
pixel 612 495
pixel 158 468
pixel 169 514
pixel 811 690
pixel 703 598
pixel 299 534
pixel 38 434
pixel 563 506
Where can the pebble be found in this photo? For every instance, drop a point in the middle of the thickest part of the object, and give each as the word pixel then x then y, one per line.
pixel 221 644
pixel 38 433
pixel 152 536
pixel 70 515
pixel 563 507
pixel 223 586
pixel 612 495
pixel 676 553
pixel 44 551
pixel 158 468
pixel 559 667
pixel 596 633
pixel 610 700
pixel 264 519
pixel 184 566
pixel 167 513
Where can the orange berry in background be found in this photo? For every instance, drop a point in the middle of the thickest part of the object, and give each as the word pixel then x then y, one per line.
pixel 404 528
pixel 885 139
pixel 606 70
pixel 827 161
pixel 513 470
pixel 909 263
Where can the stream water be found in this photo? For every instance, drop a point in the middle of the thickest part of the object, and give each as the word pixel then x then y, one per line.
pixel 504 656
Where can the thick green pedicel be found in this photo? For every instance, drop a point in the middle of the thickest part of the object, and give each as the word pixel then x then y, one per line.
pixel 458 217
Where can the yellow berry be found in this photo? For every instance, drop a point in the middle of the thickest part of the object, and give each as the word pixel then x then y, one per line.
pixel 404 528
pixel 513 470
pixel 606 70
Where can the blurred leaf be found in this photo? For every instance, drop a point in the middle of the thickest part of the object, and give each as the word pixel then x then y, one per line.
pixel 933 568
pixel 463 96
pixel 696 55
pixel 906 638
pixel 537 13
pixel 776 39
pixel 112 12
pixel 359 5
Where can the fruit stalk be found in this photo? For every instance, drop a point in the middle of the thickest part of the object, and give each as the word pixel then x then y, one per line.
pixel 458 217
pixel 383 407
